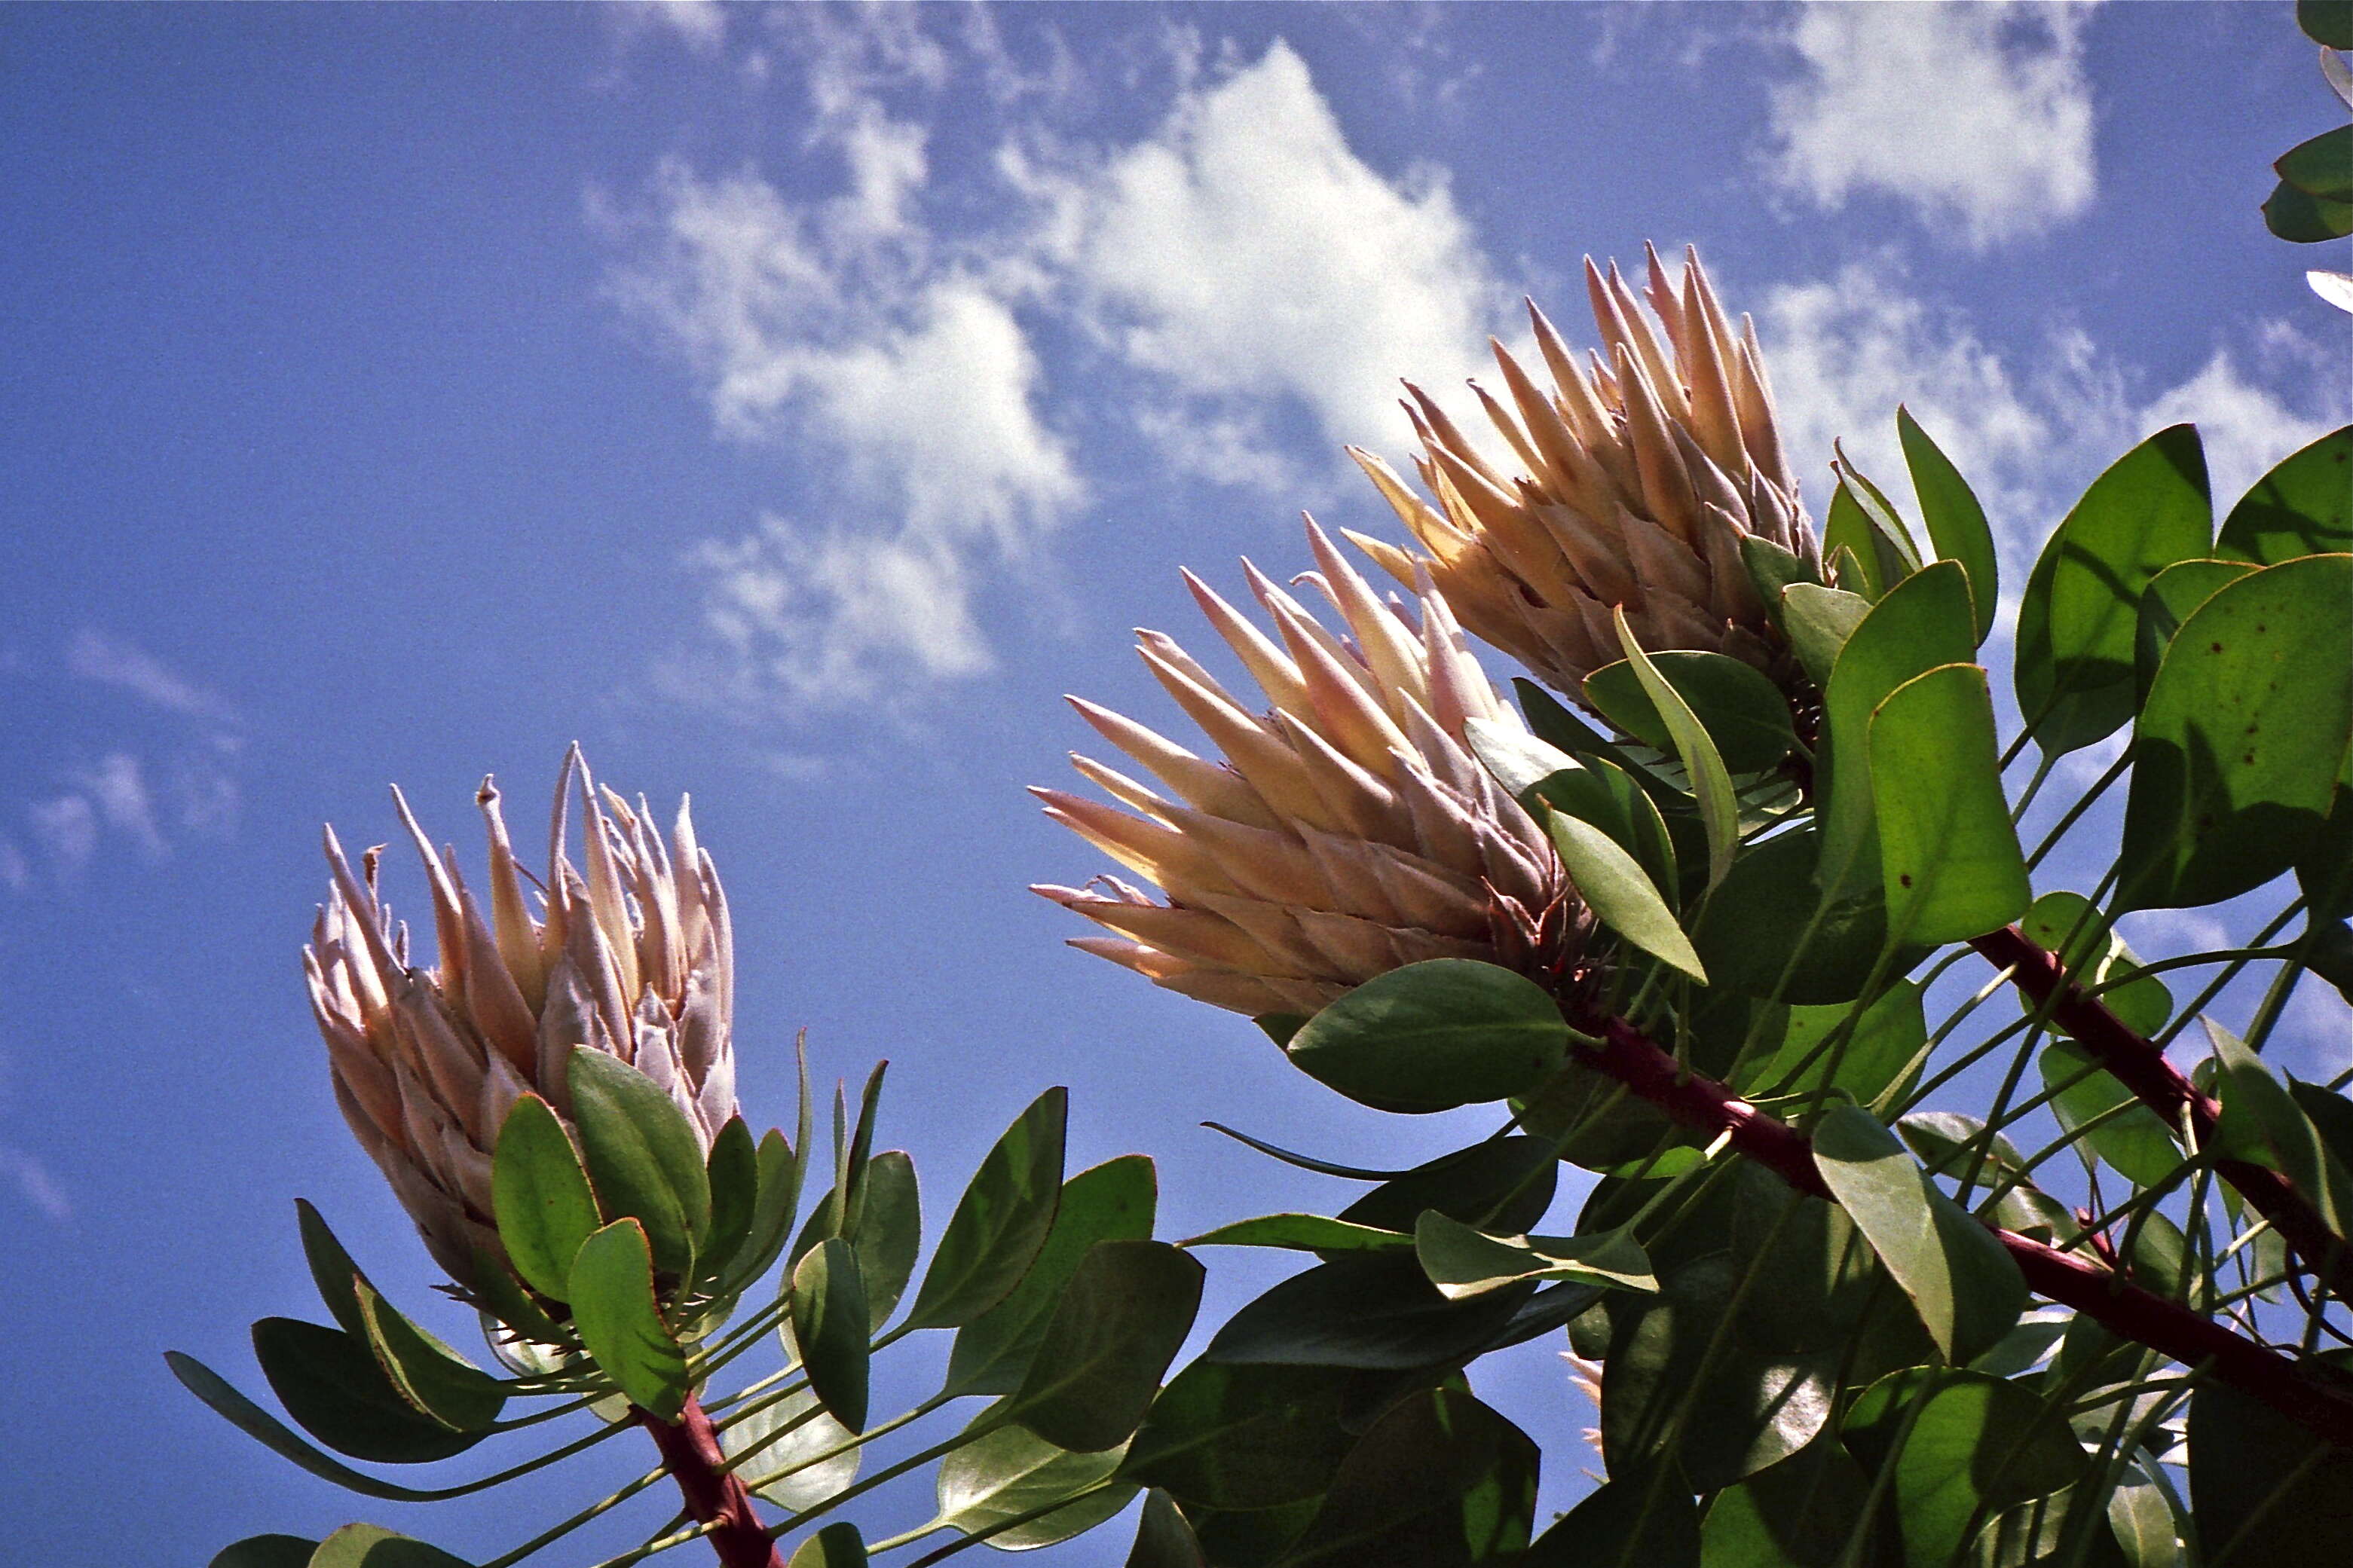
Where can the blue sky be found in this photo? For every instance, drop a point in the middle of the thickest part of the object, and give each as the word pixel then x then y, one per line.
pixel 790 405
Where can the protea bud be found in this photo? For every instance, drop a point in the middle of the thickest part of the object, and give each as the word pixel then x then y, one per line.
pixel 1349 830
pixel 1631 483
pixel 634 959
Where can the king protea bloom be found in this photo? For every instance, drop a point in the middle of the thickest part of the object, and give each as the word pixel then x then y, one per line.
pixel 635 958
pixel 1629 483
pixel 1348 831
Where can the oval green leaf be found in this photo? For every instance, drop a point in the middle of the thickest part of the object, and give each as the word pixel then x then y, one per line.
pixel 1955 522
pixel 1112 1202
pixel 1001 1220
pixel 1950 867
pixel 1121 1319
pixel 1434 1035
pixel 1246 1437
pixel 2239 749
pixel 372 1546
pixel 1010 1474
pixel 643 1160
pixel 1742 711
pixel 541 1196
pixel 2303 507
pixel 830 1323
pixel 611 1290
pixel 1711 781
pixel 1620 893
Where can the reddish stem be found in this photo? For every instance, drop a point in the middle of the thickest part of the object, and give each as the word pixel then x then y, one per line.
pixel 2157 1083
pixel 2310 1397
pixel 690 1447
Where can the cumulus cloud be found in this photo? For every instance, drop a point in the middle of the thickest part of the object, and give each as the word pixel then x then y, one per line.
pixel 1246 253
pixel 2029 430
pixel 1239 258
pixel 95 656
pixel 1976 113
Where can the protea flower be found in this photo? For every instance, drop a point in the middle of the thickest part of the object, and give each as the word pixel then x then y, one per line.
pixel 1630 483
pixel 634 959
pixel 1349 830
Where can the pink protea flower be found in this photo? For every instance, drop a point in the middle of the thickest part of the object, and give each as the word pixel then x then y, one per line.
pixel 1348 830
pixel 635 958
pixel 1630 482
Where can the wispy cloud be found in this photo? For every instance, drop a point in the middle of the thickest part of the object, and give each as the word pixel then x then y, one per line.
pixel 33 1183
pixel 1977 113
pixel 143 774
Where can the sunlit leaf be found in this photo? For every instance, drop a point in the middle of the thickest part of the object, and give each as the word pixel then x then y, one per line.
pixel 1950 865
pixel 831 1323
pixel 642 1158
pixel 611 1290
pixel 1955 522
pixel 1009 1471
pixel 1117 1327
pixel 1001 1220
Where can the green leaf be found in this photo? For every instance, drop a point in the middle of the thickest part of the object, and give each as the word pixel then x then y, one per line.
pixel 1008 1471
pixel 2260 1123
pixel 2142 1521
pixel 1504 1182
pixel 541 1196
pixel 266 1552
pixel 1001 1220
pixel 1980 1445
pixel 1865 564
pixel 890 1232
pixel 1749 935
pixel 2321 166
pixel 1967 1289
pixel 1625 1523
pixel 1112 1202
pixel 1815 1288
pixel 831 1323
pixel 2302 218
pixel 1957 524
pixel 1881 1046
pixel 278 1438
pixel 1369 1312
pixel 332 1387
pixel 428 1375
pixel 2135 1143
pixel 331 1269
pixel 370 1546
pixel 643 1160
pixel 772 1216
pixel 1743 712
pixel 1121 1319
pixel 1747 1408
pixel 612 1294
pixel 733 1172
pixel 1463 1262
pixel 2327 22
pixel 1434 1035
pixel 1711 781
pixel 1246 1438
pixel 2239 749
pixel 1923 622
pixel 1796 1513
pixel 2172 594
pixel 2303 507
pixel 1950 862
pixel 1612 800
pixel 1818 621
pixel 835 1546
pixel 1163 1537
pixel 1772 568
pixel 795 1435
pixel 2077 619
pixel 1440 1480
pixel 1303 1233
pixel 2262 1489
pixel 1620 893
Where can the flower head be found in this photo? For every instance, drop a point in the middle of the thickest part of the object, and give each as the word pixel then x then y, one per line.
pixel 1348 831
pixel 1632 482
pixel 634 958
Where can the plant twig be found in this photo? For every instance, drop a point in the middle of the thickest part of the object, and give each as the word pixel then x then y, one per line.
pixel 715 1496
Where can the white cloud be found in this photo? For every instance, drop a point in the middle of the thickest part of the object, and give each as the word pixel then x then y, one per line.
pixel 1978 113
pixel 2028 431
pixel 33 1183
pixel 1241 256
pixel 1248 255
pixel 115 661
pixel 66 826
pixel 117 787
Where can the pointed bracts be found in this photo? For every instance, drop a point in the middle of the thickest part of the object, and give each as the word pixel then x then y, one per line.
pixel 1628 481
pixel 634 957
pixel 1347 829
